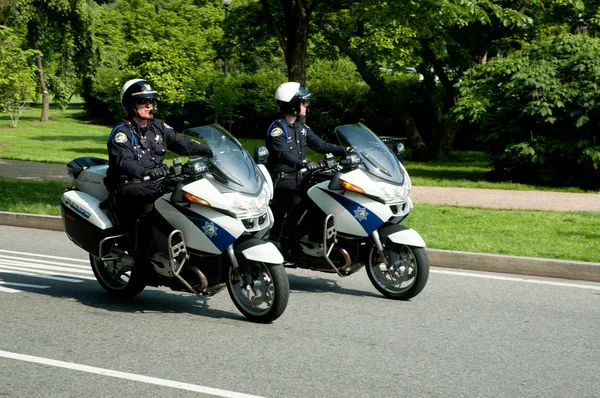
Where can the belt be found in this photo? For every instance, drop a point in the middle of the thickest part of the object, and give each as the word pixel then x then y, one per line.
pixel 130 181
pixel 281 174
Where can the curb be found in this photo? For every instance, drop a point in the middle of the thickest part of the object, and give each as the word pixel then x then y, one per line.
pixel 578 270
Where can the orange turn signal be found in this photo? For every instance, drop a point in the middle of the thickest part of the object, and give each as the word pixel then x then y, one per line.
pixel 351 187
pixel 194 199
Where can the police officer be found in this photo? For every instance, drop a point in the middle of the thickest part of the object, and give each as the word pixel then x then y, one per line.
pixel 136 149
pixel 287 139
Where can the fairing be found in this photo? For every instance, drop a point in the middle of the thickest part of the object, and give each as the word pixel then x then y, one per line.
pixel 231 164
pixel 377 158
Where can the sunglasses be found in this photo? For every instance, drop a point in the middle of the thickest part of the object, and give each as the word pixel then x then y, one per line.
pixel 144 101
pixel 304 102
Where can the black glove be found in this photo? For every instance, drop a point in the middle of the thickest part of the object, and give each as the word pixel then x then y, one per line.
pixel 157 172
pixel 312 166
pixel 209 153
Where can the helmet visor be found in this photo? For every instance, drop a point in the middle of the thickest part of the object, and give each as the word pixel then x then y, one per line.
pixel 143 100
pixel 303 93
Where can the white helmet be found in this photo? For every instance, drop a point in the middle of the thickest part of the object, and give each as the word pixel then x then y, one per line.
pixel 133 89
pixel 289 96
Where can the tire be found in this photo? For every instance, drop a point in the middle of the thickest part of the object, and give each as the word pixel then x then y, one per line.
pixel 267 298
pixel 118 283
pixel 394 282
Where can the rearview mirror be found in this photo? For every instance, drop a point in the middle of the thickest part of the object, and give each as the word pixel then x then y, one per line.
pixel 398 149
pixel 261 154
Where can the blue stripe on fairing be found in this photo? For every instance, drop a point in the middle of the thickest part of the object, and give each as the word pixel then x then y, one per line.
pixel 369 224
pixel 222 239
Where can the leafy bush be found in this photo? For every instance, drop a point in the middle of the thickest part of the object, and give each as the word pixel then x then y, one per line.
pixel 17 85
pixel 537 111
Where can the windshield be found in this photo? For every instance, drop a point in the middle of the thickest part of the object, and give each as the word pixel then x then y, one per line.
pixel 231 164
pixel 376 157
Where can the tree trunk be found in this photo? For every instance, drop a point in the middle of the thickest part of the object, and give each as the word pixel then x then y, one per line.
pixel 297 22
pixel 45 94
pixel 444 129
pixel 294 42
pixel 374 81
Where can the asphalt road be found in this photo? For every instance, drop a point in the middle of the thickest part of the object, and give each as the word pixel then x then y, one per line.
pixel 468 334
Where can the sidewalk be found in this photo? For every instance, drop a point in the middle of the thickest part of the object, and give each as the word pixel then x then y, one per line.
pixel 492 198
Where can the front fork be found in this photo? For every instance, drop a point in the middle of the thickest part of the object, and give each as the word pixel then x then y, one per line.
pixel 379 247
pixel 246 276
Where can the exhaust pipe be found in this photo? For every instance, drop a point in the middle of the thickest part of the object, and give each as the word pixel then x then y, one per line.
pixel 347 259
pixel 201 277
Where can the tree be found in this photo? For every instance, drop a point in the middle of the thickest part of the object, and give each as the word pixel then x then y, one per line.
pixel 173 49
pixel 59 31
pixel 290 20
pixel 539 110
pixel 442 38
pixel 17 86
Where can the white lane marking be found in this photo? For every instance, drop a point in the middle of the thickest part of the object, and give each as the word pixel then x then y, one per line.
pixel 514 279
pixel 127 376
pixel 23 285
pixel 25 264
pixel 7 290
pixel 18 271
pixel 43 255
pixel 33 260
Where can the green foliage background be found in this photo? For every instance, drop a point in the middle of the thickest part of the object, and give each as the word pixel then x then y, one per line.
pixel 538 111
pixel 505 76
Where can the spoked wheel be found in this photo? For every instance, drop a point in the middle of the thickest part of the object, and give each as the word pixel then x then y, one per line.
pixel 405 275
pixel 265 299
pixel 119 280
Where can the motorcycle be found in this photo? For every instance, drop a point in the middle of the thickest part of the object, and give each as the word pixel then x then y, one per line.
pixel 353 210
pixel 207 229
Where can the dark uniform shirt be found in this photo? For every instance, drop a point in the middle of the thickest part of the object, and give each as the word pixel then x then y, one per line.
pixel 129 158
pixel 287 144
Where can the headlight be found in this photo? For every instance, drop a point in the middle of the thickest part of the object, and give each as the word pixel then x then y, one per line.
pixel 393 193
pixel 244 205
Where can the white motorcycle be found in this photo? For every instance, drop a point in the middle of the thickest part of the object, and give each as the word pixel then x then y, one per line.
pixel 353 210
pixel 207 229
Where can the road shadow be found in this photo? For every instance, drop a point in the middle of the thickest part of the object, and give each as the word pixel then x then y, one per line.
pixel 323 285
pixel 151 300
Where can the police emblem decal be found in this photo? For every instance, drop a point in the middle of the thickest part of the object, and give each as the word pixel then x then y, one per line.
pixel 120 138
pixel 276 132
pixel 361 213
pixel 209 229
pixel 303 131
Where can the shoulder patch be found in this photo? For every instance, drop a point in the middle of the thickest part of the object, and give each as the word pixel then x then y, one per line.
pixel 167 126
pixel 276 132
pixel 120 138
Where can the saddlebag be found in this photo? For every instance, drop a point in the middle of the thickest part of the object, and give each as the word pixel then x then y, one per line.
pixel 85 223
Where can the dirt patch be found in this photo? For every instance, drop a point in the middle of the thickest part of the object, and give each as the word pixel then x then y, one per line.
pixel 5 145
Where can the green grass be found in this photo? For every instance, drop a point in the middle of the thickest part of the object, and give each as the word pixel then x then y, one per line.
pixel 65 137
pixel 31 196
pixel 532 233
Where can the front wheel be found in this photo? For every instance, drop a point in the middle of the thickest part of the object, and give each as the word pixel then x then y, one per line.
pixel 265 299
pixel 119 280
pixel 406 274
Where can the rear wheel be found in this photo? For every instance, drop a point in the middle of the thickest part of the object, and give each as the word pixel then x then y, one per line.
pixel 265 299
pixel 119 280
pixel 404 276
